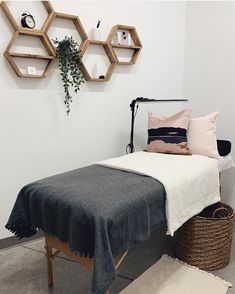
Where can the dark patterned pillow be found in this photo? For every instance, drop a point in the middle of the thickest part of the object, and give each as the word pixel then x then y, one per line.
pixel 168 134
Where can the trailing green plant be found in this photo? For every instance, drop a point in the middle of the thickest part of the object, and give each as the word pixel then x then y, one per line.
pixel 69 59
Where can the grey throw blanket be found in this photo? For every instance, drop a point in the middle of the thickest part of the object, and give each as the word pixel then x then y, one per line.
pixel 98 211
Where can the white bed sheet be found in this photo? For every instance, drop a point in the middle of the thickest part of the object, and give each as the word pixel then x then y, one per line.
pixel 191 182
pixel 225 162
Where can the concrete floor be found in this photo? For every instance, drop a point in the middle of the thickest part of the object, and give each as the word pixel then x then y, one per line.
pixel 23 268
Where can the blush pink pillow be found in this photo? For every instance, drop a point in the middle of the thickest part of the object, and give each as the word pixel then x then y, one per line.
pixel 202 135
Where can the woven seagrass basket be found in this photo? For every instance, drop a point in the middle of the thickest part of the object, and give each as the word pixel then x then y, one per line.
pixel 205 240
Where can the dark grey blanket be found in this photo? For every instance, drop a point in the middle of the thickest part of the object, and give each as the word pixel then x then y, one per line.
pixel 98 211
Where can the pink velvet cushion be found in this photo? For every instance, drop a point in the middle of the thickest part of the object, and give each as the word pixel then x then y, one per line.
pixel 202 135
pixel 168 134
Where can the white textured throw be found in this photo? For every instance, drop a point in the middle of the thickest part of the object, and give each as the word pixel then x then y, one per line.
pixel 191 182
pixel 171 276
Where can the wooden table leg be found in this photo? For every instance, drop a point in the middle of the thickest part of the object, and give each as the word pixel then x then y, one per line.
pixel 49 256
pixel 88 263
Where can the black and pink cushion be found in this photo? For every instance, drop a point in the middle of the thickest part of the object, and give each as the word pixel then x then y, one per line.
pixel 168 134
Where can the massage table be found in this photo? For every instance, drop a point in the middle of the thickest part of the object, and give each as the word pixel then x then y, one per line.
pixel 93 214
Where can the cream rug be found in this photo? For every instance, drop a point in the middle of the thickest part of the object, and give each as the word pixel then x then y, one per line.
pixel 171 276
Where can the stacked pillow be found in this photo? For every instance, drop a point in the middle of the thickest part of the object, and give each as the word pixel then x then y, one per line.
pixel 202 136
pixel 178 134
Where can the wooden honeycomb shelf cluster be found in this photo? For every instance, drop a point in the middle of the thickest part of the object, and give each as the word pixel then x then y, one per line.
pixel 50 57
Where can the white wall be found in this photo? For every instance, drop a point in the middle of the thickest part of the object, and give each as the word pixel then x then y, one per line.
pixel 209 72
pixel 38 139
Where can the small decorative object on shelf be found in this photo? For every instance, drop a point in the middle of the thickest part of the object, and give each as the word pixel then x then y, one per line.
pixel 95 71
pixel 70 66
pixel 27 20
pixel 32 70
pixel 123 38
pixel 95 32
pixel 119 38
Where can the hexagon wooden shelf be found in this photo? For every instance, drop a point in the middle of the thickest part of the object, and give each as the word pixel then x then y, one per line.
pixel 111 56
pixel 77 23
pixel 11 55
pixel 12 20
pixel 33 33
pixel 136 47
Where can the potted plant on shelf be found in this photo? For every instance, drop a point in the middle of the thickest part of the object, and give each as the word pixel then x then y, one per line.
pixel 69 59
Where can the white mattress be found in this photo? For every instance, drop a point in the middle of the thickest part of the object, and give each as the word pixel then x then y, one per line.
pixel 225 162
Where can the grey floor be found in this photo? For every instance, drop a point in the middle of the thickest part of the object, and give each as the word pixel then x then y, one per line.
pixel 23 268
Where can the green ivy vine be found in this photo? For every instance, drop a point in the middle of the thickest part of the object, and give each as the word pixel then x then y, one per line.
pixel 69 59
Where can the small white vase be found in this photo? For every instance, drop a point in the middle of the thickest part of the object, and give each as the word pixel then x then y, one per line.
pixel 95 71
pixel 95 34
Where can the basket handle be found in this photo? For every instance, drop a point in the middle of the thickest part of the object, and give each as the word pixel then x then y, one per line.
pixel 219 209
